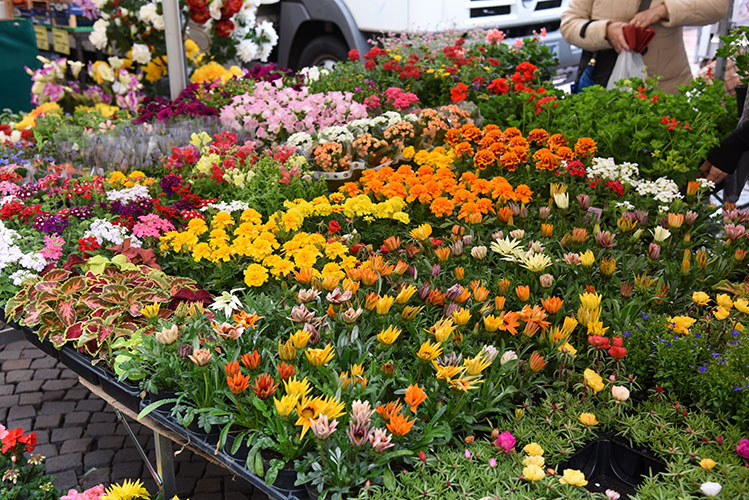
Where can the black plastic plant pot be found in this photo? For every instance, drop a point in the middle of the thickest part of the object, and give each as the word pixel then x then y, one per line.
pixel 127 394
pixel 611 465
pixel 166 408
pixel 81 365
pixel 285 480
pixel 45 346
pixel 241 454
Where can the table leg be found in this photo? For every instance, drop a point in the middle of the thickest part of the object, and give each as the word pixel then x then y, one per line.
pixel 165 466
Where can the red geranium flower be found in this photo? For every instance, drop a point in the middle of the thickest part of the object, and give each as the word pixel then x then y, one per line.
pixel 458 93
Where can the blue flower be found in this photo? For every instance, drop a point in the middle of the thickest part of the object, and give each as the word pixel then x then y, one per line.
pixel 627 333
pixel 645 316
pixel 702 368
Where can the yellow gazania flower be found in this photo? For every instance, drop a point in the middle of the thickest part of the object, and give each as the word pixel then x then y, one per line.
pixel 422 232
pixel 299 339
pixel 442 329
pixel 285 405
pixel 286 350
pixel 151 311
pixel 384 304
pixel 724 300
pixel 307 410
pixel 389 335
pixel 465 384
pixel 428 351
pixel 461 317
pixel 447 372
pixel 700 298
pixel 331 407
pixel 590 300
pixel 297 388
pixel 410 312
pixel 492 323
pixel 405 294
pixel 477 364
pixel 128 490
pixel 319 357
pixel 721 313
pixel 593 380
pixel 587 258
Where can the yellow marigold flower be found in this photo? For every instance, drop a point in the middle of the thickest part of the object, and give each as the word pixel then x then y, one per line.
pixel 255 275
pixel 700 298
pixel 429 351
pixel 573 477
pixel 389 335
pixel 593 380
pixel 319 357
pixel 588 419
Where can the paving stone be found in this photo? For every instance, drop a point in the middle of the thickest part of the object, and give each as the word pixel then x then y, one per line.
pixel 103 417
pixel 6 355
pixel 6 389
pixel 47 421
pixel 77 418
pixel 18 376
pixel 53 395
pixel 19 412
pixel 208 485
pixel 110 442
pixel 191 469
pixel 58 385
pixel 16 364
pixel 45 362
pixel 3 413
pixel 57 407
pixel 67 373
pixel 75 446
pixel 70 462
pixel 2 378
pixel 103 429
pixel 66 433
pixel 24 423
pixel 126 455
pixel 98 458
pixel 28 386
pixel 95 476
pixel 33 354
pixel 46 450
pixel 77 393
pixel 186 486
pixel 66 480
pixel 90 405
pixel 8 401
pixel 18 345
pixel 42 437
pixel 47 374
pixel 126 470
pixel 31 398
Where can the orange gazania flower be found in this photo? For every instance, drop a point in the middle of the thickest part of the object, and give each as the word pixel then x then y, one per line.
pixel 368 276
pixel 247 320
pixel 265 386
pixel 415 395
pixel 392 243
pixel 552 304
pixel 400 425
pixel 537 361
pixel 442 253
pixel 251 361
pixel 547 230
pixel 304 275
pixel 508 322
pixel 505 214
pixel 237 382
pixel 285 371
pixel 232 368
pixel 390 409
pixel 523 292
pixel 436 298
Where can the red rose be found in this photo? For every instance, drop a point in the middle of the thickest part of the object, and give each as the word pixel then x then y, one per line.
pixel 224 28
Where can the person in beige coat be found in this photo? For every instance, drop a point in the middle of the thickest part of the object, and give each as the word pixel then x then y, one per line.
pixel 597 25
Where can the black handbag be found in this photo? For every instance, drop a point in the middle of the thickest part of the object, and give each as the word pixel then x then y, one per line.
pixel 596 67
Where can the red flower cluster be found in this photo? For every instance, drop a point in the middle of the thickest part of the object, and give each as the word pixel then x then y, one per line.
pixel 200 14
pixel 615 348
pixel 459 92
pixel 17 210
pixel 26 135
pixel 15 437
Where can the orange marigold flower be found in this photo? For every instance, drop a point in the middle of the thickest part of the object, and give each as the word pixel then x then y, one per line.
pixel 400 425
pixel 552 304
pixel 238 383
pixel 539 136
pixel 523 193
pixel 265 386
pixel 415 395
pixel 545 159
pixel 251 361
pixel 565 153
pixel 441 206
pixel 585 146
pixel 556 141
pixel 483 159
pixel 232 368
pixel 390 409
pixel 471 132
pixel 463 148
pixel 537 361
pixel 510 161
pixel 285 371
pixel 512 132
pixel 452 137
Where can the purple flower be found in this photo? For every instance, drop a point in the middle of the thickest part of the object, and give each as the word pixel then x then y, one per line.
pixel 53 91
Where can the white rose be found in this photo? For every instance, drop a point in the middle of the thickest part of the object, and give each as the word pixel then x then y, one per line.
pixel 141 53
pixel 158 23
pixel 115 62
pixel 147 12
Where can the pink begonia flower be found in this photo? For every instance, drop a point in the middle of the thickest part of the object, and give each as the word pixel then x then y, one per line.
pixel 94 493
pixel 743 448
pixel 506 441
pixel 519 42
pixel 3 432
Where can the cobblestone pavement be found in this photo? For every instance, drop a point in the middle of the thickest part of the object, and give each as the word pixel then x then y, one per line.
pixel 79 434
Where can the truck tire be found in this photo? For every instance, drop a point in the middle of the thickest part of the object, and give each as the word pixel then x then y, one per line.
pixel 323 51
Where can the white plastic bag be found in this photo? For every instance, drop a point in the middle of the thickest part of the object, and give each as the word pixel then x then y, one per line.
pixel 628 65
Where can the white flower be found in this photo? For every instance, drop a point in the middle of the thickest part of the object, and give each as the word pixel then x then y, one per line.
pixel 661 234
pixel 247 50
pixel 98 36
pixel 147 12
pixel 507 357
pixel 215 9
pixel 612 494
pixel 75 67
pixel 22 275
pixel 227 302
pixel 222 206
pixel 711 489
pixel 115 62
pixel 158 23
pixel 311 74
pixel 100 3
pixel 128 194
pixel 562 200
pixel 141 53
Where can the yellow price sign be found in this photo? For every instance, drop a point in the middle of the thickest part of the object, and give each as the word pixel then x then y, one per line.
pixel 61 41
pixel 42 42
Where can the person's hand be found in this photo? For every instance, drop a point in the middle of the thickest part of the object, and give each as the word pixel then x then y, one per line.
pixel 615 36
pixel 650 16
pixel 712 173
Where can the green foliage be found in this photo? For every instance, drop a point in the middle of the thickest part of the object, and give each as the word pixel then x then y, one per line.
pixel 735 47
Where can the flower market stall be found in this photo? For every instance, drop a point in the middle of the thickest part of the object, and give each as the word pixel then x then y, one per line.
pixel 423 273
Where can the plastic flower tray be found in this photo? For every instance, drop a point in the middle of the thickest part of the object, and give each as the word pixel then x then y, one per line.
pixel 81 365
pixel 127 394
pixel 45 345
pixel 608 464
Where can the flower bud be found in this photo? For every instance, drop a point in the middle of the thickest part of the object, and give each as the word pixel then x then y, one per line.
pixel 627 289
pixel 620 393
pixel 388 369
pixel 478 252
pixel 168 336
pixel 546 280
pixel 507 357
pixel 543 213
pixel 583 201
pixel 654 251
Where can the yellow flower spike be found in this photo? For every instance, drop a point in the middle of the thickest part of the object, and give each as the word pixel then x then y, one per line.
pixel 319 357
pixel 388 336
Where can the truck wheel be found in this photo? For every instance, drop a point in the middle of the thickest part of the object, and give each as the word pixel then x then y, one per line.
pixel 324 51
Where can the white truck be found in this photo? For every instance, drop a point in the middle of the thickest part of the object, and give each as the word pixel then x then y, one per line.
pixel 319 32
